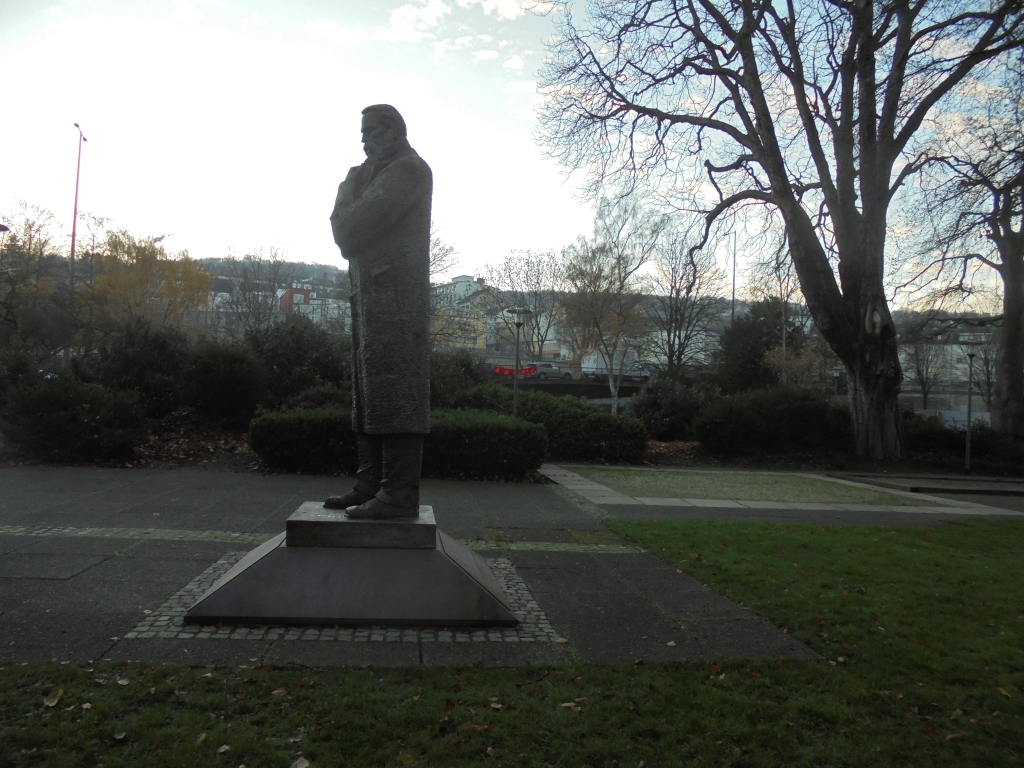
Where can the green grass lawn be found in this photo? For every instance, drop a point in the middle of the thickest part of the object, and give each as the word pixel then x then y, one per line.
pixel 921 630
pixel 749 486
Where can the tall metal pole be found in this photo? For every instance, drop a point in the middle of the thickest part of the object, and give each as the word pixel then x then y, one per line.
pixel 970 381
pixel 74 220
pixel 515 377
pixel 732 316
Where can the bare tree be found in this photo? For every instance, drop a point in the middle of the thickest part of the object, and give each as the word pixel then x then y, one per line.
pixel 926 363
pixel 603 280
pixel 974 200
pixel 814 110
pixel 529 279
pixel 254 302
pixel 443 255
pixel 683 305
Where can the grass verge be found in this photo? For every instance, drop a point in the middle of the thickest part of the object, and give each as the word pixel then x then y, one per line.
pixel 940 686
pixel 741 486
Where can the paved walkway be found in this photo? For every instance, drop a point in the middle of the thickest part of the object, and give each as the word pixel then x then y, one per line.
pixel 101 563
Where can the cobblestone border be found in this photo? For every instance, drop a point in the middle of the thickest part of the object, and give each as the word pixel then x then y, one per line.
pixel 255 539
pixel 168 620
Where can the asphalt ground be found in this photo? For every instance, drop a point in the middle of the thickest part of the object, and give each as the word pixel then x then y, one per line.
pixel 86 554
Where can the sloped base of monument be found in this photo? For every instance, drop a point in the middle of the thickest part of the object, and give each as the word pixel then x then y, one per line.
pixel 448 586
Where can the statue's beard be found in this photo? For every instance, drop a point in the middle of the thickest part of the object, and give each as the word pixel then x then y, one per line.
pixel 379 149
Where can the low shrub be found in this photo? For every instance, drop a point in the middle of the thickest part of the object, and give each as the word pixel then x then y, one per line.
pixel 460 443
pixel 926 434
pixel 305 440
pixel 781 418
pixel 669 409
pixel 320 396
pixel 576 431
pixel 63 419
pixel 147 359
pixel 482 444
pixel 225 381
pixel 20 364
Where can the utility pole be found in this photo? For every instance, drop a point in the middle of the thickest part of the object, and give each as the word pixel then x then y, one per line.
pixel 732 314
pixel 74 234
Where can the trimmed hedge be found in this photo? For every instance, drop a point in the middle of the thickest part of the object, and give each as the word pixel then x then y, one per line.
pixel 669 409
pixel 926 434
pixel 781 418
pixel 460 443
pixel 305 440
pixel 63 419
pixel 576 431
pixel 225 381
pixel 482 444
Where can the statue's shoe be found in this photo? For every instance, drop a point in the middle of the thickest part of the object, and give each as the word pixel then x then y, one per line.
pixel 350 499
pixel 375 509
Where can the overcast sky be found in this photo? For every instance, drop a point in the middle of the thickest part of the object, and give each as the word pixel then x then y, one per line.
pixel 228 124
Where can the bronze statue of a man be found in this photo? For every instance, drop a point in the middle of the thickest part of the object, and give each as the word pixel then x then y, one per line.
pixel 381 223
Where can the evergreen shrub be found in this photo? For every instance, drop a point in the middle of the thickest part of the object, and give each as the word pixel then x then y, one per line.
pixel 147 359
pixel 669 409
pixel 305 439
pixel 482 444
pixel 460 443
pixel 451 374
pixel 926 434
pixel 776 419
pixel 298 354
pixel 225 381
pixel 576 431
pixel 63 419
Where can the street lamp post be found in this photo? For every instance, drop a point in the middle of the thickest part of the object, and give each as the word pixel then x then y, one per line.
pixel 74 220
pixel 732 313
pixel 519 315
pixel 970 382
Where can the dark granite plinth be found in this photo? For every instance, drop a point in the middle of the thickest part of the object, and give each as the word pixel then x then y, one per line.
pixel 449 585
pixel 311 525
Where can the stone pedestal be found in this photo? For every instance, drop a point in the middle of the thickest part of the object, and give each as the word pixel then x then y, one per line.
pixel 327 569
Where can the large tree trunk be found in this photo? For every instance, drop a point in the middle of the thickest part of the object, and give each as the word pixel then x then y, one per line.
pixel 1010 370
pixel 857 325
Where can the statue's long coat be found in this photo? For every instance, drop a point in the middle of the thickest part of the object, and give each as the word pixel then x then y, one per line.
pixel 381 222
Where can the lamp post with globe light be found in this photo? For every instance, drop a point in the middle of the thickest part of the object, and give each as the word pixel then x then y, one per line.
pixel 519 315
pixel 74 220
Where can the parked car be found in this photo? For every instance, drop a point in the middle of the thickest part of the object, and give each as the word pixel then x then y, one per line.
pixel 550 371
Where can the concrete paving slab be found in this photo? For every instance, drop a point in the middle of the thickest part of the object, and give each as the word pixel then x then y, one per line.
pixel 20 565
pixel 654 501
pixel 714 503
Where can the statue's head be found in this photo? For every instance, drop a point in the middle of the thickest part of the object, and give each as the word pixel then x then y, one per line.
pixel 383 128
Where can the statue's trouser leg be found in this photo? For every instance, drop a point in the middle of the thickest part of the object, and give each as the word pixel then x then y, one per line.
pixel 368 473
pixel 400 478
pixel 371 463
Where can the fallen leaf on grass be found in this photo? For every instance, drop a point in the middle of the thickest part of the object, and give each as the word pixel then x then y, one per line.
pixel 122 681
pixel 671 643
pixel 956 714
pixel 87 705
pixel 302 763
pixel 1004 692
pixel 201 738
pixel 473 727
pixel 495 705
pixel 572 706
pixel 491 751
pixel 223 749
pixel 406 759
pixel 457 740
pixel 279 692
pixel 449 704
pixel 715 668
pixel 54 697
pixel 954 736
pixel 639 662
pixel 119 736
pixel 932 733
pixel 752 673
